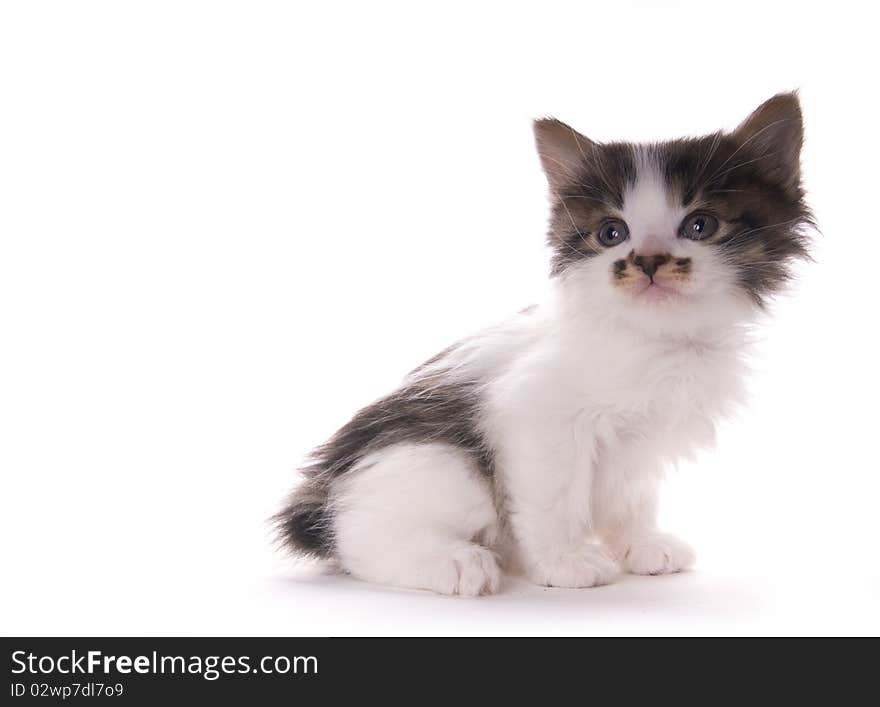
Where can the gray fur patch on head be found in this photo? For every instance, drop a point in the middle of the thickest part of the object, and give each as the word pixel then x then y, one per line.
pixel 586 180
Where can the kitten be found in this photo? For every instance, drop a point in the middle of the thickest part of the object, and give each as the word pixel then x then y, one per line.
pixel 539 445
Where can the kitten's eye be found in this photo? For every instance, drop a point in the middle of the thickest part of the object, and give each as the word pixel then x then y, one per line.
pixel 698 226
pixel 613 233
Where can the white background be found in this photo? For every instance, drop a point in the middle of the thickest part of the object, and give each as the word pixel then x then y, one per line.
pixel 225 226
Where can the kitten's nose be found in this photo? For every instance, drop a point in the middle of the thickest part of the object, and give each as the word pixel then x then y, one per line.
pixel 650 263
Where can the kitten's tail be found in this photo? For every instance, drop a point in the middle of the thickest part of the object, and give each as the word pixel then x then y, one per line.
pixel 304 525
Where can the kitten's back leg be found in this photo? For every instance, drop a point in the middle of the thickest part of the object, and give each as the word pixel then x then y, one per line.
pixel 418 516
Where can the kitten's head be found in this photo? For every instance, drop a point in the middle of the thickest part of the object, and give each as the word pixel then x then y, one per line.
pixel 675 231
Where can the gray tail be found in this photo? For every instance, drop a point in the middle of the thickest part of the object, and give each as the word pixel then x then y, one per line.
pixel 304 525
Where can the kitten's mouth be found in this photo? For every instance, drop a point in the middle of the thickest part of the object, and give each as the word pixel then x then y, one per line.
pixel 655 292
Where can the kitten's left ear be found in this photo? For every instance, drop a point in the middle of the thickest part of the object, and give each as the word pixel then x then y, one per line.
pixel 774 133
pixel 563 152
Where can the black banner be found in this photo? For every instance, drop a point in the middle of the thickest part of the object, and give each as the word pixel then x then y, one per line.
pixel 146 670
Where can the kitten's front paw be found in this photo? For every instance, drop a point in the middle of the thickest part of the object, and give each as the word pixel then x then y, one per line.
pixel 589 566
pixel 653 553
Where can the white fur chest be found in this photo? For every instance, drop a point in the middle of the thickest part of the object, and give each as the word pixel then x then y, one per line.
pixel 618 396
pixel 577 390
pixel 661 398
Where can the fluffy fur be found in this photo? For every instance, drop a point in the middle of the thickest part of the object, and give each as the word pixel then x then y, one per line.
pixel 539 445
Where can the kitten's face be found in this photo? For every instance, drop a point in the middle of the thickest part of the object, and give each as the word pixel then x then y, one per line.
pixel 678 229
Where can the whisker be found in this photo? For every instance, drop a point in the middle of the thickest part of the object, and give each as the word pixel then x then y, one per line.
pixel 746 142
pixel 750 232
pixel 713 148
pixel 742 164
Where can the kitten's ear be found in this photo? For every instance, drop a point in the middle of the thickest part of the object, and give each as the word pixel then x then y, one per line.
pixel 774 133
pixel 562 150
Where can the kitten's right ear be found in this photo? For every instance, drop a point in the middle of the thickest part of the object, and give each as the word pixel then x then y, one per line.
pixel 563 152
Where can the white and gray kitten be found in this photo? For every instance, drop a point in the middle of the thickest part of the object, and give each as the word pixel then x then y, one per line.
pixel 538 445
